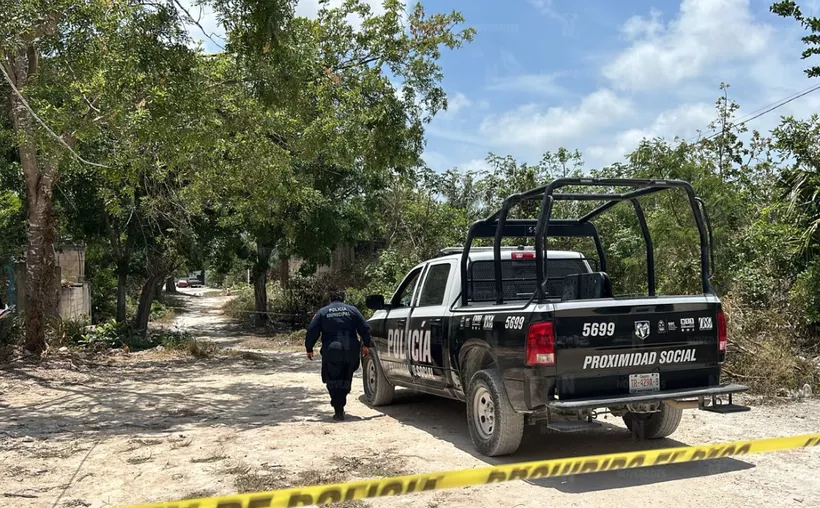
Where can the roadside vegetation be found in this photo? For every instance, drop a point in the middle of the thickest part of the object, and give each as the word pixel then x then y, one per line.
pixel 306 135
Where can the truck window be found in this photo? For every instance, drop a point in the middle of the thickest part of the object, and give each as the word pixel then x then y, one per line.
pixel 435 285
pixel 405 293
pixel 518 277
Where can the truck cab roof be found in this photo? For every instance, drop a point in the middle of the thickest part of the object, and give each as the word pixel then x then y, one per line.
pixel 486 253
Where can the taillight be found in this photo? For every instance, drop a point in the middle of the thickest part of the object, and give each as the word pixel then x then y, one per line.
pixel 541 344
pixel 723 339
pixel 522 255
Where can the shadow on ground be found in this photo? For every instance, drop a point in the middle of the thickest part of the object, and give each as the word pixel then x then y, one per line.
pixel 446 420
pixel 164 395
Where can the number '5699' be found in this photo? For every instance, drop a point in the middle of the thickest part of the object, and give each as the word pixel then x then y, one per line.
pixel 598 329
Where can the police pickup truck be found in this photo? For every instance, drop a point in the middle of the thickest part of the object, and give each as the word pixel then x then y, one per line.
pixel 528 335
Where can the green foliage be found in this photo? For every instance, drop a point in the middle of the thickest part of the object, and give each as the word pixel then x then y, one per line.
pixel 106 335
pixel 388 270
pixel 790 9
pixel 805 294
pixel 241 303
pixel 12 225
pixel 11 330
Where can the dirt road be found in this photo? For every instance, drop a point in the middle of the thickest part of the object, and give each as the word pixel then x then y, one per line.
pixel 144 427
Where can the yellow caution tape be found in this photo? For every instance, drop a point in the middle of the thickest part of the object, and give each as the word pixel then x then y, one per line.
pixel 401 485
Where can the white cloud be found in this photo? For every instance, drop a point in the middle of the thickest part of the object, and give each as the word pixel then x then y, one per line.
pixel 543 84
pixel 705 34
pixel 475 165
pixel 567 21
pixel 638 26
pixel 456 103
pixel 436 160
pixel 532 125
pixel 683 121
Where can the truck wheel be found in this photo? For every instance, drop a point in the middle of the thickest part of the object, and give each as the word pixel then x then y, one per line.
pixel 495 428
pixel 656 425
pixel 377 390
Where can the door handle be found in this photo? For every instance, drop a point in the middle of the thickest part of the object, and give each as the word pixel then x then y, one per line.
pixel 401 322
pixel 436 320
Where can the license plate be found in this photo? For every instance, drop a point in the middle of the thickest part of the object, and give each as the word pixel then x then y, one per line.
pixel 644 382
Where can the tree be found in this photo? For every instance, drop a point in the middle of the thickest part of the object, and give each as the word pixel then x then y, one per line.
pixel 790 9
pixel 798 141
pixel 42 43
pixel 321 124
pixel 118 83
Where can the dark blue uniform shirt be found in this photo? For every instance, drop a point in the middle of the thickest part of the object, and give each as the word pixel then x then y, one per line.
pixel 338 324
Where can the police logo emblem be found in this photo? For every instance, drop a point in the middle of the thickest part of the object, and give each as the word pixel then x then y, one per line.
pixel 642 329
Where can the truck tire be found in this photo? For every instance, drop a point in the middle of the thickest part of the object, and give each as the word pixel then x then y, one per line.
pixel 495 428
pixel 656 425
pixel 377 390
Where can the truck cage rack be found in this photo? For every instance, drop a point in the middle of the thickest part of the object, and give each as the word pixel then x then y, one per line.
pixel 497 226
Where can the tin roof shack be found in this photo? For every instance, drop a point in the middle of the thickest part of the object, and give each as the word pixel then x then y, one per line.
pixel 71 260
pixel 75 293
pixel 71 292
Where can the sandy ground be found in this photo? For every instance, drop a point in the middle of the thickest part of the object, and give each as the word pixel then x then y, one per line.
pixel 150 426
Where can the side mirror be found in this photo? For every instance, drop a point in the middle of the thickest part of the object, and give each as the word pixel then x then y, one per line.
pixel 375 302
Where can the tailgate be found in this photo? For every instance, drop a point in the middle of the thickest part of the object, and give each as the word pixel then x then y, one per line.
pixel 636 345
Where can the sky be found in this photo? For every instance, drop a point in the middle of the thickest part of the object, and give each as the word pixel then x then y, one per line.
pixel 600 75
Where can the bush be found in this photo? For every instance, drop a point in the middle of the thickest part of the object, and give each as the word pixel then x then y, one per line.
pixel 764 350
pixel 241 304
pixel 297 305
pixel 12 331
pixel 184 342
pixel 111 334
pixel 805 294
pixel 61 332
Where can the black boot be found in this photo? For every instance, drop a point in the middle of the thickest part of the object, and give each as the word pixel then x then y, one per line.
pixel 340 414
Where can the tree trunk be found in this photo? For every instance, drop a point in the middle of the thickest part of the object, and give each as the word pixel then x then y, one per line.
pixel 42 290
pixel 158 291
pixel 170 286
pixel 122 280
pixel 284 273
pixel 260 277
pixel 40 270
pixel 146 299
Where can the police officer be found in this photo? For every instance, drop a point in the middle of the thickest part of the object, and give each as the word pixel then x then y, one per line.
pixel 338 323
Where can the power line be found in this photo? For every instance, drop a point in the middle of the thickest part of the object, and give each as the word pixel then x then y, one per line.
pixel 776 102
pixel 46 127
pixel 769 110
pixel 766 109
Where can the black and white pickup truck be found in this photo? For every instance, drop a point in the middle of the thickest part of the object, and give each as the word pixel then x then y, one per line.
pixel 528 335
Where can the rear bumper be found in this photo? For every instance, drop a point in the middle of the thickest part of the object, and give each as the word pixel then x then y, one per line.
pixel 619 400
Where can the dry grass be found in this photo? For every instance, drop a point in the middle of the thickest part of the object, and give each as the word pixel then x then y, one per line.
pixel 75 503
pixel 167 317
pixel 202 349
pixel 763 352
pixel 376 466
pixel 344 469
pixel 140 459
pixel 256 482
pixel 198 494
pixel 56 452
pixel 137 443
pixel 180 443
pixel 215 457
